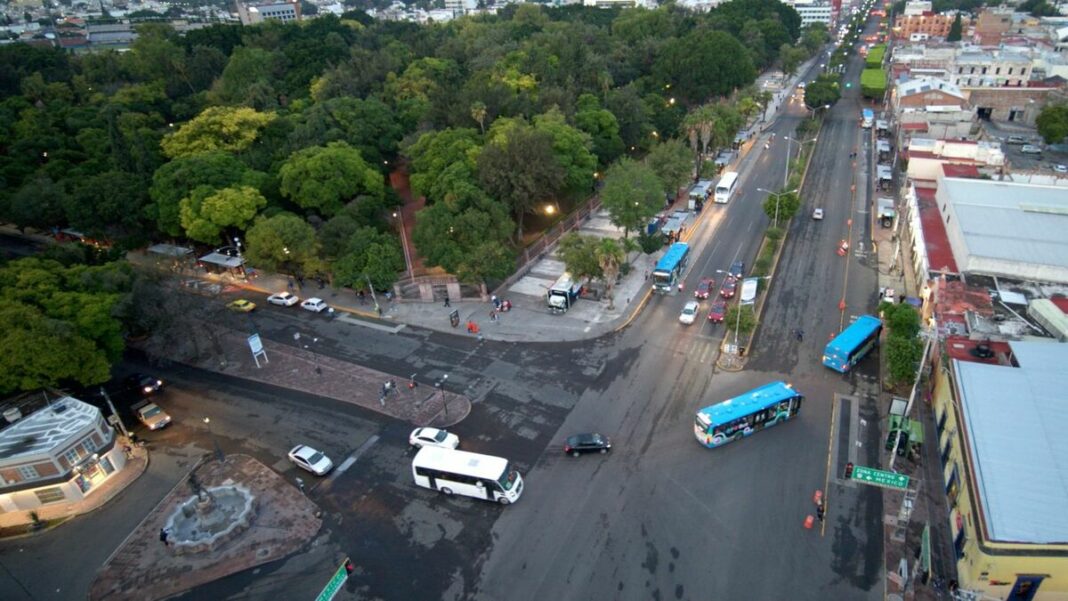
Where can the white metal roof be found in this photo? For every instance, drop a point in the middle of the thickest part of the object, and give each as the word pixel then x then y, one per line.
pixel 1016 420
pixel 45 429
pixel 1008 226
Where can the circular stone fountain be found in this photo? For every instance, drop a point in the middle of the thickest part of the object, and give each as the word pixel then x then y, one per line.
pixel 210 518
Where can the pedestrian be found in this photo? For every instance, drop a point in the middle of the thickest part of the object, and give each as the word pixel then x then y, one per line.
pixel 680 287
pixel 378 310
pixel 360 297
pixel 447 303
pixel 300 485
pixel 496 301
pixel 819 511
pixel 493 315
pixel 164 537
pixel 800 335
pixel 290 283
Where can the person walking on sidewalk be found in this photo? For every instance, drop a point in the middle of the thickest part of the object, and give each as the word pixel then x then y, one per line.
pixel 164 537
pixel 447 304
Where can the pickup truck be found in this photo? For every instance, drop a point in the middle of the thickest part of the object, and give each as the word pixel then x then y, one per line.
pixel 151 415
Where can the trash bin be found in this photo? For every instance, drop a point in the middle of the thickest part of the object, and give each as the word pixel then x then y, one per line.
pixel 454 318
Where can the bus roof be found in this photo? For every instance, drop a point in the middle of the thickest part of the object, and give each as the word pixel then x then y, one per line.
pixel 749 402
pixel 472 464
pixel 672 257
pixel 868 113
pixel 728 179
pixel 855 334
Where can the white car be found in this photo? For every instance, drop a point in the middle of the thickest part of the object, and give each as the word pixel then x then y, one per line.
pixel 817 214
pixel 689 312
pixel 284 299
pixel 433 437
pixel 1060 168
pixel 151 415
pixel 889 296
pixel 1030 149
pixel 314 304
pixel 309 459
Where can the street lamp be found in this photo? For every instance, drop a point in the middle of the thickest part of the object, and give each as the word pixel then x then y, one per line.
pixel 219 456
pixel 237 244
pixel 404 243
pixel 789 148
pixel 777 195
pixel 440 385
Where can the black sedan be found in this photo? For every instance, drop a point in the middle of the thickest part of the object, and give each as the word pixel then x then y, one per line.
pixel 587 443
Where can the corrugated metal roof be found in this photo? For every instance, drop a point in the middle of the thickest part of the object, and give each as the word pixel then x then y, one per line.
pixel 1009 221
pixel 46 428
pixel 1016 419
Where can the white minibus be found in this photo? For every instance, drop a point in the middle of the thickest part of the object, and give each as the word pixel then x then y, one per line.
pixel 471 474
pixel 725 187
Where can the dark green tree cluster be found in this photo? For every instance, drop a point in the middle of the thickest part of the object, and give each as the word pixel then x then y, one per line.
pixel 904 349
pixel 284 133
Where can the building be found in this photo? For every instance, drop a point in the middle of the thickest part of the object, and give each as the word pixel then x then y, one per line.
pixel 991 25
pixel 1000 420
pixel 994 69
pixel 916 8
pixel 940 107
pixel 59 453
pixel 285 11
pixel 813 11
pixel 926 158
pixel 926 24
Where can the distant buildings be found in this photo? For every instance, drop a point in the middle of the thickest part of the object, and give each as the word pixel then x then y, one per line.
pixel 252 13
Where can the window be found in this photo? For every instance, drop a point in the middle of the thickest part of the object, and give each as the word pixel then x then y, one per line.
pixel 1010 70
pixel 72 456
pixel 997 71
pixel 90 445
pixel 28 472
pixel 50 495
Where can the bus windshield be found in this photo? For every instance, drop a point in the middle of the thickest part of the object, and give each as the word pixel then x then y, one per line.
pixel 508 478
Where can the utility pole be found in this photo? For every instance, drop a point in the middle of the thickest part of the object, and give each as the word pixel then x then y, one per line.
pixel 118 418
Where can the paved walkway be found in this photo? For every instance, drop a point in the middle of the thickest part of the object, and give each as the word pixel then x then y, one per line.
pixel 143 567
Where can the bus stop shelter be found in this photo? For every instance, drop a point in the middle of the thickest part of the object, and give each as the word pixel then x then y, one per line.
pixel 219 263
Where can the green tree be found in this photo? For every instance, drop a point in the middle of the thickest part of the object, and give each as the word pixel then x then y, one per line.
pixel 478 113
pixel 822 92
pixel 632 194
pixel 670 161
pixel 611 254
pixel 468 235
pixel 442 160
pixel 370 254
pixel 571 150
pixel 782 206
pixel 323 178
pixel 232 129
pixel 955 30
pixel 1052 123
pixel 44 352
pixel 901 319
pixel 702 65
pixel 902 358
pixel 206 212
pixel 520 168
pixel 38 204
pixel 368 125
pixel 109 203
pixel 283 241
pixel 602 127
pixel 790 58
pixel 177 179
pixel 581 256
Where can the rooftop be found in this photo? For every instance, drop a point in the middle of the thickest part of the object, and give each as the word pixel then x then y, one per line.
pixel 1022 481
pixel 939 253
pixel 47 428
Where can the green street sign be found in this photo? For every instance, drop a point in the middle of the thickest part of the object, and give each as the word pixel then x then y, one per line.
pixel 876 477
pixel 335 584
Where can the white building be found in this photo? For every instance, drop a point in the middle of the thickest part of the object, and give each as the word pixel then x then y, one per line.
pixel 57 454
pixel 916 9
pixel 813 11
pixel 285 11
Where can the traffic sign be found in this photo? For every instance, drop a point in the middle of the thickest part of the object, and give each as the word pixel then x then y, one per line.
pixel 335 584
pixel 876 477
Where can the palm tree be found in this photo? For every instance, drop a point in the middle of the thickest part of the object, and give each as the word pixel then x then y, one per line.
pixel 611 254
pixel 478 113
pixel 699 124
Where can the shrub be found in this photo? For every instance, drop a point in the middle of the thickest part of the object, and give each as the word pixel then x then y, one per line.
pixel 774 233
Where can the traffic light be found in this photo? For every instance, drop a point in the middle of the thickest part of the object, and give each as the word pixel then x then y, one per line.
pixel 849 470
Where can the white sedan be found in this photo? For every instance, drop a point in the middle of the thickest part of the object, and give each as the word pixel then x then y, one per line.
pixel 433 437
pixel 689 312
pixel 309 459
pixel 284 299
pixel 314 304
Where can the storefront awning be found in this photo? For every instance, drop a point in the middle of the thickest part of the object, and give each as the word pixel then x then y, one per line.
pixel 222 260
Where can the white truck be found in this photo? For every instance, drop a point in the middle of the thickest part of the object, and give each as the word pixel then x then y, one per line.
pixel 563 294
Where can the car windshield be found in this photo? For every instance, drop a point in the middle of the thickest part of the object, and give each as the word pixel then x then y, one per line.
pixel 508 478
pixel 440 436
pixel 315 458
pixel 689 310
pixel 151 411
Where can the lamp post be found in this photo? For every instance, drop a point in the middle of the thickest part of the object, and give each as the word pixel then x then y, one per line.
pixel 240 258
pixel 789 148
pixel 777 195
pixel 440 385
pixel 219 456
pixel 404 242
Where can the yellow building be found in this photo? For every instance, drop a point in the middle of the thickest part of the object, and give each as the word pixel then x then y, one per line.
pixel 1002 418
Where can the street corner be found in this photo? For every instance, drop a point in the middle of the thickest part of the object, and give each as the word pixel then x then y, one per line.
pixel 227 515
pixel 441 410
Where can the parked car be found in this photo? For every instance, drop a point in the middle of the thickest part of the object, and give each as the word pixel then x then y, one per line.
pixel 309 459
pixel 736 270
pixel 705 288
pixel 1030 149
pixel 241 306
pixel 151 415
pixel 1060 168
pixel 888 295
pixel 284 299
pixel 728 288
pixel 689 312
pixel 590 442
pixel 433 437
pixel 143 384
pixel 817 214
pixel 1016 140
pixel 718 311
pixel 314 304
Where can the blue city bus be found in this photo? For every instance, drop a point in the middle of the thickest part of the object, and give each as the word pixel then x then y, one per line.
pixel 668 271
pixel 853 343
pixel 746 413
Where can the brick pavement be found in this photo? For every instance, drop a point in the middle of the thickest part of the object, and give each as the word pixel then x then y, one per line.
pixel 294 368
pixel 143 568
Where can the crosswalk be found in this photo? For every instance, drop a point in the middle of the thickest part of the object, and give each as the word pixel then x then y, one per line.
pixel 699 348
